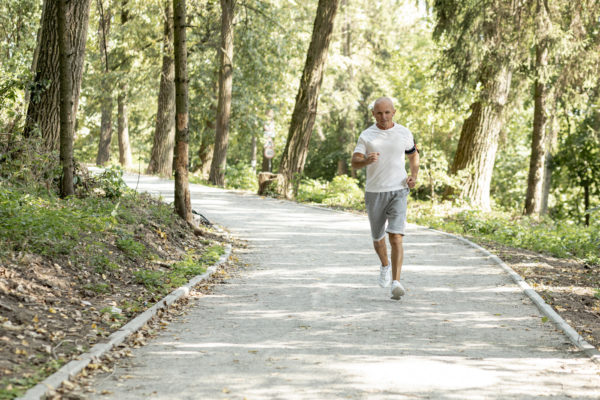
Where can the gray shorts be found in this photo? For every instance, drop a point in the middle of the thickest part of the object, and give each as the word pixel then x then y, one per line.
pixel 386 206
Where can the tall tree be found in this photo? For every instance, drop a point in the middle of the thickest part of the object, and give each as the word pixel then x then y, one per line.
pixel 491 60
pixel 66 104
pixel 125 158
pixel 107 85
pixel 43 109
pixel 305 109
pixel 535 180
pixel 183 205
pixel 161 159
pixel 218 165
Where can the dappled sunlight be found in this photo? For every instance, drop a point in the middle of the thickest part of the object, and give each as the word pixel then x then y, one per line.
pixel 306 319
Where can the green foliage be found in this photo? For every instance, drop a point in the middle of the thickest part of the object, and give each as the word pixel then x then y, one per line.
pixel 180 272
pixel 241 176
pixel 111 182
pixel 342 192
pixel 131 247
pixel 98 288
pixel 149 279
pixel 558 238
pixel 21 385
pixel 47 225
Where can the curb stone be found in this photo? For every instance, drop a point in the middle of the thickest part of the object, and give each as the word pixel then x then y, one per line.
pixel 74 367
pixel 571 333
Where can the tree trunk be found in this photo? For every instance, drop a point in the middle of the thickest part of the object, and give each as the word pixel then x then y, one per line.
pixel 125 158
pixel 43 112
pixel 305 109
pixel 106 90
pixel 66 104
pixel 218 165
pixel 183 205
pixel 161 160
pixel 535 181
pixel 346 125
pixel 478 141
pixel 123 128
pixel 253 147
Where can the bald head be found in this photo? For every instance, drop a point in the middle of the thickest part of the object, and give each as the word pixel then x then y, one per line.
pixel 383 101
pixel 383 111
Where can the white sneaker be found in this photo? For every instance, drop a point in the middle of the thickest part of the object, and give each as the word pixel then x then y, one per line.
pixel 397 290
pixel 385 276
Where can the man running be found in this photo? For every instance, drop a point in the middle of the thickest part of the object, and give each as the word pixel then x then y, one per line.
pixel 382 148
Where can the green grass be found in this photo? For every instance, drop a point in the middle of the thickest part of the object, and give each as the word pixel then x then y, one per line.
pixel 11 388
pixel 179 273
pixel 557 238
pixel 47 225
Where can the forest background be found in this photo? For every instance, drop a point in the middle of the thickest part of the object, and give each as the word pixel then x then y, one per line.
pixel 501 96
pixel 424 56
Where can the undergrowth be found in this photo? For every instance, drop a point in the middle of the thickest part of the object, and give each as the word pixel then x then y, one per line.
pixel 557 238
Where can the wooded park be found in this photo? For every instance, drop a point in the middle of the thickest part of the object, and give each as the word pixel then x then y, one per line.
pixel 502 97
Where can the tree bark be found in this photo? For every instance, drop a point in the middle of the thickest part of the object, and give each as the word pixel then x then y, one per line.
pixel 183 205
pixel 103 155
pixel 125 157
pixel 66 104
pixel 535 181
pixel 305 109
pixel 43 110
pixel 161 160
pixel 219 161
pixel 478 141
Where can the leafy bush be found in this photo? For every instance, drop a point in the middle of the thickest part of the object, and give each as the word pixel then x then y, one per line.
pixel 112 183
pixel 312 191
pixel 342 191
pixel 241 176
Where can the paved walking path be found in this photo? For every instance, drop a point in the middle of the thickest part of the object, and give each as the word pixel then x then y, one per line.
pixel 308 321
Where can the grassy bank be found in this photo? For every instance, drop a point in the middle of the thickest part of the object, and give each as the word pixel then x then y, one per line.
pixel 72 271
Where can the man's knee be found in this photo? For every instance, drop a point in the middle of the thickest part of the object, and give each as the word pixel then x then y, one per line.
pixel 396 238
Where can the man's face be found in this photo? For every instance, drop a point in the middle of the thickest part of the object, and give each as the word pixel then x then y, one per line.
pixel 384 114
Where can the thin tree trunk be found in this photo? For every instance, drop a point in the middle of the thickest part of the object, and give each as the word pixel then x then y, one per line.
pixel 103 155
pixel 253 147
pixel 66 104
pixel 586 203
pixel 478 141
pixel 551 137
pixel 43 114
pixel 123 128
pixel 305 109
pixel 535 181
pixel 125 158
pixel 346 126
pixel 218 165
pixel 183 205
pixel 161 160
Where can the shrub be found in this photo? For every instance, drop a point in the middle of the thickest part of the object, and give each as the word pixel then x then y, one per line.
pixel 241 176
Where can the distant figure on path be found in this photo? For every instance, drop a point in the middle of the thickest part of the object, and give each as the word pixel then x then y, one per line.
pixel 381 148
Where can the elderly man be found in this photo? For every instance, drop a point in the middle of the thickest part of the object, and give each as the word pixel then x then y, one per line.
pixel 382 148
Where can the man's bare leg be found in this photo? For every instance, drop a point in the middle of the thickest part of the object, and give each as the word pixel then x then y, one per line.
pixel 397 255
pixel 381 250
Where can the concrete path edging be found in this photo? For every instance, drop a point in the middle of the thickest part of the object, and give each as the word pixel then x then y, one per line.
pixel 552 315
pixel 74 367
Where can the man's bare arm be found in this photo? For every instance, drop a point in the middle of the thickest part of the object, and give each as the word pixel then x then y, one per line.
pixel 413 162
pixel 359 160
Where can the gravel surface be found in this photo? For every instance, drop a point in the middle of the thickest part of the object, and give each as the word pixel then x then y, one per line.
pixel 307 320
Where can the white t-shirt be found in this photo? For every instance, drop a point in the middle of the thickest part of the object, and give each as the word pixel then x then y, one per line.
pixel 389 172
